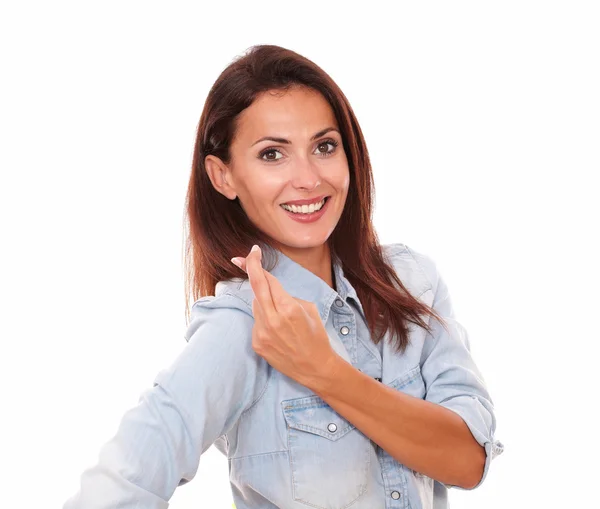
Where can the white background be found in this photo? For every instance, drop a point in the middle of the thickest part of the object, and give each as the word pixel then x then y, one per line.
pixel 482 121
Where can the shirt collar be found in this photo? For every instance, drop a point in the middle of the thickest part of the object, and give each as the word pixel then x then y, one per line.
pixel 298 282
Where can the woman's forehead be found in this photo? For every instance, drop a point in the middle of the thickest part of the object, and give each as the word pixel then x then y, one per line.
pixel 298 114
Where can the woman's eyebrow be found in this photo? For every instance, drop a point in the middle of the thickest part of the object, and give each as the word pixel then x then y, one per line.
pixel 283 140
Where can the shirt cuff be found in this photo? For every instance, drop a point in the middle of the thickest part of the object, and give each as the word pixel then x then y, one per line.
pixel 482 426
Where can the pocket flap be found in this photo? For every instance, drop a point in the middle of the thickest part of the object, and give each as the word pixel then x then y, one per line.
pixel 313 415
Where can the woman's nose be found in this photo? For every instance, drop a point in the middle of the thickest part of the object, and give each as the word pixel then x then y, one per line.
pixel 305 175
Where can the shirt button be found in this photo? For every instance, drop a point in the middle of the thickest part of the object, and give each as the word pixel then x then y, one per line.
pixel 339 303
pixel 332 427
pixel 395 495
pixel 344 330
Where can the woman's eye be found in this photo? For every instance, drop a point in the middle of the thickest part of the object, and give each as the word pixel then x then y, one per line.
pixel 270 151
pixel 324 144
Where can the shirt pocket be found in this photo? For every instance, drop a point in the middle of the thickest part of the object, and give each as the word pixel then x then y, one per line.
pixel 329 457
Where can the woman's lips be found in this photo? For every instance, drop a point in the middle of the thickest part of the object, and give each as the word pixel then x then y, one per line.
pixel 308 218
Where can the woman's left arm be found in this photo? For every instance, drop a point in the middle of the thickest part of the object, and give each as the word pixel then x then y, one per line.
pixel 449 435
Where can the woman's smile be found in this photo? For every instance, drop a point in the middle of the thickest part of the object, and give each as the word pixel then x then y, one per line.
pixel 305 213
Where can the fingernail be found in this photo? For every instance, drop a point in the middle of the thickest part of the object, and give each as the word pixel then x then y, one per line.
pixel 237 262
pixel 254 248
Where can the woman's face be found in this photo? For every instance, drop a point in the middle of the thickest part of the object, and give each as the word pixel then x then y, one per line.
pixel 265 173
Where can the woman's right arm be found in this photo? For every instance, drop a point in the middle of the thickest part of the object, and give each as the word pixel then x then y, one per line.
pixel 158 444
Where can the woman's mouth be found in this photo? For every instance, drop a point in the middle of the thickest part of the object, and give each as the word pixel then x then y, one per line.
pixel 306 213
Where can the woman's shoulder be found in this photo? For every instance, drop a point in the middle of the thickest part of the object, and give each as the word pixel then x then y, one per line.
pixel 222 311
pixel 417 270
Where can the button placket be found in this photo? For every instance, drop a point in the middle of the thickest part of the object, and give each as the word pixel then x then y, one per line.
pixel 345 327
pixel 394 480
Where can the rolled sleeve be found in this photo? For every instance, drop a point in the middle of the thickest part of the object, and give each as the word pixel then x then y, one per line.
pixel 158 444
pixel 451 376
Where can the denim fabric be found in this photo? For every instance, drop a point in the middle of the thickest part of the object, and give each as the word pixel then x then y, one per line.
pixel 286 447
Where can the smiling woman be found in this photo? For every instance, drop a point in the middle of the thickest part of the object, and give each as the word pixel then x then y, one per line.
pixel 276 129
pixel 328 368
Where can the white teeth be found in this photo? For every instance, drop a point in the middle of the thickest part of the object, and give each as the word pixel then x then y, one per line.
pixel 304 209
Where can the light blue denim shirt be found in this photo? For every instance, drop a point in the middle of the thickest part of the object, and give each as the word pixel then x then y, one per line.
pixel 286 447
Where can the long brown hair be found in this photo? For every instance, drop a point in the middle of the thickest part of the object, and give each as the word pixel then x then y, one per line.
pixel 218 228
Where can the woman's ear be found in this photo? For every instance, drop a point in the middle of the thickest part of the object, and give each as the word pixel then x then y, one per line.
pixel 220 176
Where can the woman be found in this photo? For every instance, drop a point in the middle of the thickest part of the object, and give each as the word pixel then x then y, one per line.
pixel 328 368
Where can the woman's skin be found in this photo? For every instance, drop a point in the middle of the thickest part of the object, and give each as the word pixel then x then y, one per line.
pixel 304 168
